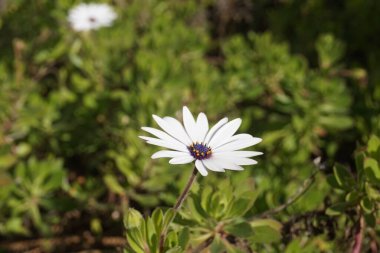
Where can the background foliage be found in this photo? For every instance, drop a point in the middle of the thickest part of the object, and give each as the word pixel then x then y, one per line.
pixel 303 75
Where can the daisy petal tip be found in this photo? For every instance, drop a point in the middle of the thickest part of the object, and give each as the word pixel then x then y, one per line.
pixel 157 118
pixel 202 114
pixel 203 173
pixel 239 120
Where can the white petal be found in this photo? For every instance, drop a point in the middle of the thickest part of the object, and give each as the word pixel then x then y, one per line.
pixel 169 128
pixel 234 159
pixel 146 138
pixel 238 144
pixel 245 161
pixel 211 164
pixel 182 159
pixel 162 135
pixel 224 133
pixel 189 122
pixel 202 127
pixel 227 164
pixel 91 16
pixel 238 153
pixel 201 168
pixel 234 167
pixel 168 153
pixel 233 139
pixel 215 128
pixel 165 144
pixel 181 132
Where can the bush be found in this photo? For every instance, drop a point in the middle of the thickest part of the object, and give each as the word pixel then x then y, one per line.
pixel 72 105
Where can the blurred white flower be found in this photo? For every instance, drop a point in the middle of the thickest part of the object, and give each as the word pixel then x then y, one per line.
pixel 215 149
pixel 85 17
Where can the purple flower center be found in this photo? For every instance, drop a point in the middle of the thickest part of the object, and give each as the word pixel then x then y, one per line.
pixel 200 151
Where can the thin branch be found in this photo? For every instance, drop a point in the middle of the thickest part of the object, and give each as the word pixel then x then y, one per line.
pixel 243 244
pixel 373 242
pixel 359 236
pixel 300 192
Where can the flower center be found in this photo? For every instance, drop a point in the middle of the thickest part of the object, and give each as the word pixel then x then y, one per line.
pixel 200 151
pixel 92 19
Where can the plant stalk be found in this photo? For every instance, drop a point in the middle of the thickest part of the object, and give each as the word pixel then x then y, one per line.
pixel 178 205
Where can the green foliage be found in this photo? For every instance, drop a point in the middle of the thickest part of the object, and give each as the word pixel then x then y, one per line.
pixel 143 235
pixel 220 215
pixel 215 216
pixel 34 183
pixel 359 193
pixel 72 105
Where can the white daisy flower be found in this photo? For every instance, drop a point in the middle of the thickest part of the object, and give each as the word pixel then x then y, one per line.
pixel 85 17
pixel 215 149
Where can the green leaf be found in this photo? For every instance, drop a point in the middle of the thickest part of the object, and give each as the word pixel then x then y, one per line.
pixel 144 199
pixel 372 170
pixel 241 229
pixel 168 217
pixel 331 180
pixel 335 122
pixel 337 209
pixel 343 177
pixel 184 237
pixel 125 166
pixel 266 231
pixel 329 49
pixel 7 161
pixel 96 226
pixel 15 225
pixel 135 240
pixel 151 236
pixel 353 197
pixel 113 184
pixel 373 144
pixel 206 194
pixel 157 218
pixel 171 240
pixel 23 149
pixel 370 219
pixel 195 208
pixel 372 193
pixel 359 162
pixel 366 205
pixel 132 218
pixel 217 245
pixel 243 204
pixel 176 249
pixel 215 208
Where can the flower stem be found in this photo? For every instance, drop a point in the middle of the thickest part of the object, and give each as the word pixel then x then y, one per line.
pixel 183 195
pixel 178 205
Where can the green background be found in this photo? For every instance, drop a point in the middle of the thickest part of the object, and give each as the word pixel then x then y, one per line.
pixel 302 75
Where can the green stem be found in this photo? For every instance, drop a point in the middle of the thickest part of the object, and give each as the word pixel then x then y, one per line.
pixel 178 205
